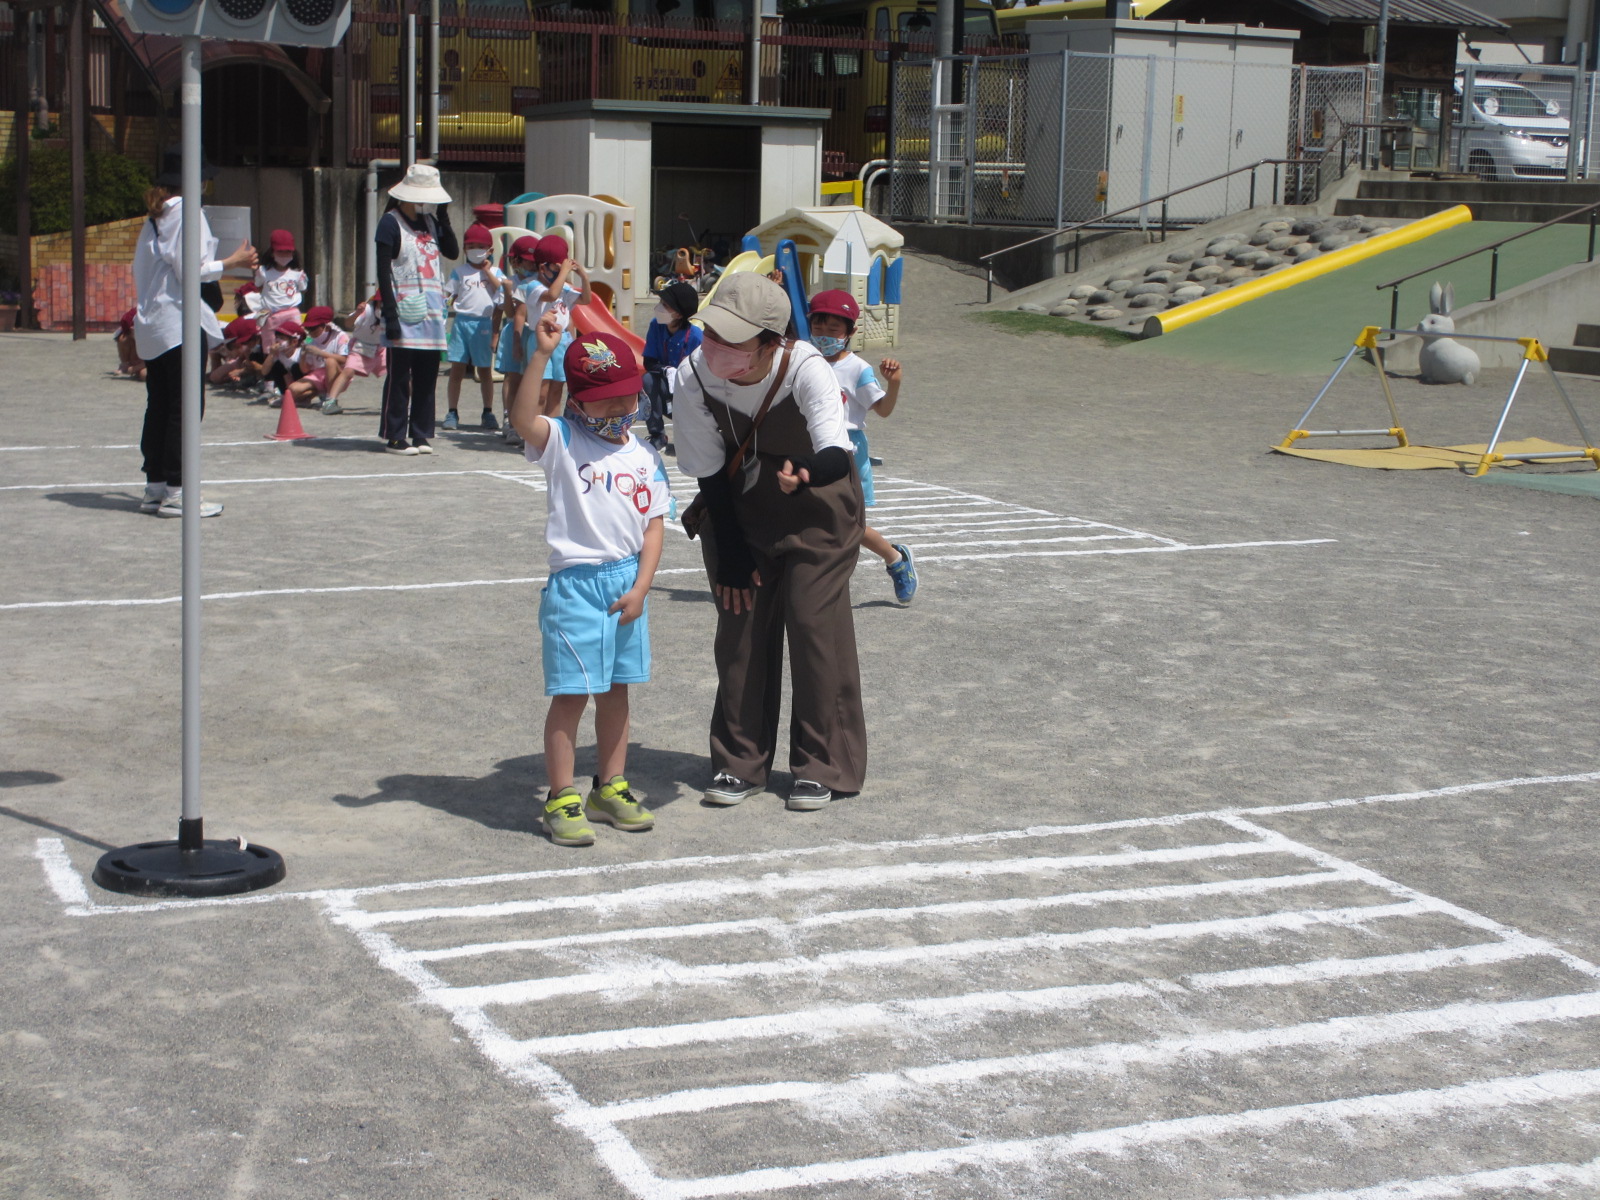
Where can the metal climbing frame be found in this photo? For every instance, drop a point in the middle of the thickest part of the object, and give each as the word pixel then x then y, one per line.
pixel 1533 351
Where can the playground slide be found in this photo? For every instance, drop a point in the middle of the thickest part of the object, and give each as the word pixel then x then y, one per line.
pixel 738 263
pixel 595 317
pixel 788 260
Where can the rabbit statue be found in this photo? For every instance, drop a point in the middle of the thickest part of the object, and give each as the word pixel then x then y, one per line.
pixel 1443 359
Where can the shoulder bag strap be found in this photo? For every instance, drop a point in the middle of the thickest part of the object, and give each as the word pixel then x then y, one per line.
pixel 761 413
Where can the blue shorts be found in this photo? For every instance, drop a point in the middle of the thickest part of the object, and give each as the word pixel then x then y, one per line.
pixel 586 647
pixel 556 368
pixel 471 340
pixel 858 442
pixel 503 362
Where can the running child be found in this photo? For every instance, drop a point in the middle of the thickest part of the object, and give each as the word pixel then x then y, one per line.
pixel 324 357
pixel 474 290
pixel 283 286
pixel 833 321
pixel 607 498
pixel 669 340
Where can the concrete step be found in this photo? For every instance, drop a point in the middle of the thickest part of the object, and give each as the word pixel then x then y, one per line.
pixel 1587 335
pixel 1576 360
pixel 1411 208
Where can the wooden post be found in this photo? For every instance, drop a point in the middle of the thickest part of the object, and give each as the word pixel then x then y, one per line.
pixel 78 103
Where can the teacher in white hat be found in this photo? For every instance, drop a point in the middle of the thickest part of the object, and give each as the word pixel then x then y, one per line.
pixel 412 237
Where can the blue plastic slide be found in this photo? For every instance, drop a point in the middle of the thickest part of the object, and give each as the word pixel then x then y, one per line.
pixel 788 261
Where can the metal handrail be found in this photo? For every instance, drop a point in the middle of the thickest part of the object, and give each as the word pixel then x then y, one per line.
pixel 1078 228
pixel 1493 249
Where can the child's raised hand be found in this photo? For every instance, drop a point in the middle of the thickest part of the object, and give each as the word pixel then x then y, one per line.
pixel 547 334
pixel 789 480
pixel 889 368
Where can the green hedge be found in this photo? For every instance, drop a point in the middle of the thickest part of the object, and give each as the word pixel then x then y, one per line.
pixel 114 188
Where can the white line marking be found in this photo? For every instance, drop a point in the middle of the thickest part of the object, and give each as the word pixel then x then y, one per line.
pixel 1342 1033
pixel 660 895
pixel 260 441
pixel 1172 549
pixel 973 1007
pixel 779 928
pixel 1044 541
pixel 875 848
pixel 532 991
pixel 64 880
pixel 1540 1178
pixel 1551 1087
pixel 424 473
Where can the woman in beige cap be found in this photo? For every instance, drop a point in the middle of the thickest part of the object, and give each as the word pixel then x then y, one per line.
pixel 412 237
pixel 782 537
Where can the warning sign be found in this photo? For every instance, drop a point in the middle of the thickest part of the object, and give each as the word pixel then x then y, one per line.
pixel 489 70
pixel 731 81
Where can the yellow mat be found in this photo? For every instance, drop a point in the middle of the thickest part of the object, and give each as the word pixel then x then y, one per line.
pixel 1423 458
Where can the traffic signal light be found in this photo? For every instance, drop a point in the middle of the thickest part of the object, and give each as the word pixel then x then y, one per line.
pixel 286 22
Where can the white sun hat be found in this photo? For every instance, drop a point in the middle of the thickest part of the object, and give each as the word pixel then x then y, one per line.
pixel 420 186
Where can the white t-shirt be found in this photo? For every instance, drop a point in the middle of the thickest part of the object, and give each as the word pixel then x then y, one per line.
pixel 281 288
pixel 469 295
pixel 369 327
pixel 602 494
pixel 560 307
pixel 332 339
pixel 859 383
pixel 694 428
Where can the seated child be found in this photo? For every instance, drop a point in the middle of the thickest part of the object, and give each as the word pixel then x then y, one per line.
pixel 833 321
pixel 233 364
pixel 324 355
pixel 128 361
pixel 367 353
pixel 283 361
pixel 669 340
pixel 605 543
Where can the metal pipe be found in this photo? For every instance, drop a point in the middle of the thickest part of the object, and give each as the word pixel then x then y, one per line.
pixel 1394 306
pixel 870 166
pixel 1500 425
pixel 190 835
pixel 1494 271
pixel 77 106
pixel 408 92
pixel 430 126
pixel 866 188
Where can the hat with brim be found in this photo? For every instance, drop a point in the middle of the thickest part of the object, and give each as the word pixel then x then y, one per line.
pixel 681 298
pixel 601 366
pixel 743 306
pixel 171 176
pixel 420 186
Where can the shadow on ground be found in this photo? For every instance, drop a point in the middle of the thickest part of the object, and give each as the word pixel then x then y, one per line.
pixel 512 796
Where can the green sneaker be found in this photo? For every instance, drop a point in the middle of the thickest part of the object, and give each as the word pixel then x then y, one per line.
pixel 563 819
pixel 614 804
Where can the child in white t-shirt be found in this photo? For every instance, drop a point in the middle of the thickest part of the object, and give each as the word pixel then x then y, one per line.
pixel 538 286
pixel 607 497
pixel 283 287
pixel 833 321
pixel 368 355
pixel 324 354
pixel 474 290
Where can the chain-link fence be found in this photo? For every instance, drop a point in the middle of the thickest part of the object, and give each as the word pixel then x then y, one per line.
pixel 1058 138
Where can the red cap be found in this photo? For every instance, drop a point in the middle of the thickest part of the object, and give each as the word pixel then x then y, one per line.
pixel 291 329
pixel 127 319
pixel 241 330
pixel 319 315
pixel 600 366
pixel 478 235
pixel 281 241
pixel 525 248
pixel 839 303
pixel 552 248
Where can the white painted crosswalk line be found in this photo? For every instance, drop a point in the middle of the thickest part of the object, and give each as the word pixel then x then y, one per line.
pixel 680 973
pixel 1542 1179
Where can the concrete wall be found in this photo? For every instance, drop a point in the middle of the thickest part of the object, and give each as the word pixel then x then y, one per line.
pixel 1549 309
pixel 791 169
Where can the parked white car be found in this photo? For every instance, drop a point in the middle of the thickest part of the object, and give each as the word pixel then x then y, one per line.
pixel 1508 132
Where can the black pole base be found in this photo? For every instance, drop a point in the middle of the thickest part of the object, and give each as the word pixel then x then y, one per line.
pixel 210 868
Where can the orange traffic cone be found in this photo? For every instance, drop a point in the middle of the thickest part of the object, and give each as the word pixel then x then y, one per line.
pixel 289 429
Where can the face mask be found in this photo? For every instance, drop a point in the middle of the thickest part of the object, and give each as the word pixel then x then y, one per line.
pixel 477 257
pixel 613 429
pixel 726 362
pixel 521 271
pixel 283 260
pixel 830 345
pixel 660 313
pixel 426 210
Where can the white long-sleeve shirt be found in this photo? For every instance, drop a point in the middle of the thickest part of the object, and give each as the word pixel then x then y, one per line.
pixel 158 283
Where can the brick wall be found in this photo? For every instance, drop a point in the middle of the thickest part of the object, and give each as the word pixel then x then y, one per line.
pixel 112 242
pixel 110 287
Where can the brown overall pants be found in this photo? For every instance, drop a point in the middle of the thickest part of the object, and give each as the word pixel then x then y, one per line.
pixel 805 546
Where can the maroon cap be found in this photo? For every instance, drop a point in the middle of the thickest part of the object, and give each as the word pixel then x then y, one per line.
pixel 839 303
pixel 291 329
pixel 281 241
pixel 321 314
pixel 601 366
pixel 478 235
pixel 524 248
pixel 241 330
pixel 127 319
pixel 552 249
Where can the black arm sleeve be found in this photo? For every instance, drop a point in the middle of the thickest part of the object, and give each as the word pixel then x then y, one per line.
pixel 388 240
pixel 449 244
pixel 734 560
pixel 829 464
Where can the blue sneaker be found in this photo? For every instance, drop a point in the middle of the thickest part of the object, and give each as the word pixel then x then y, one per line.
pixel 904 576
pixel 452 419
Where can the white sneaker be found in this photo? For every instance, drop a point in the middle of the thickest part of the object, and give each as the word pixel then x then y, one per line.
pixel 400 448
pixel 172 506
pixel 154 494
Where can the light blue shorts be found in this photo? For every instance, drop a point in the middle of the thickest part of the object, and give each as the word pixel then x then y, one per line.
pixel 858 442
pixel 503 362
pixel 556 368
pixel 586 647
pixel 471 340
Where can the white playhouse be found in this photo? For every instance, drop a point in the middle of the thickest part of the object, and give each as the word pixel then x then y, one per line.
pixel 845 247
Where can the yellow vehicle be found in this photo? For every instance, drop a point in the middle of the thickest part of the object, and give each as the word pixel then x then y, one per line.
pixel 1014 20
pixel 855 83
pixel 509 54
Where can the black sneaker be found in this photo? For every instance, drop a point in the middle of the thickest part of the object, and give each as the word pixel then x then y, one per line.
pixel 727 790
pixel 806 796
pixel 395 447
pixel 488 421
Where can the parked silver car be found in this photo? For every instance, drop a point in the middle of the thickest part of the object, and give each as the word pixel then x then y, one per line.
pixel 1508 132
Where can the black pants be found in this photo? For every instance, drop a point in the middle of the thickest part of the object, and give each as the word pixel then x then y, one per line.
pixel 162 442
pixel 408 395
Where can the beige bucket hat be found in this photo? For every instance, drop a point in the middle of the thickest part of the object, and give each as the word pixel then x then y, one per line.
pixel 420 186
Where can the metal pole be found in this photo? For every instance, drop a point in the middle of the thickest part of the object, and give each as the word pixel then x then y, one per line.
pixel 408 92
pixel 1394 307
pixel 1383 54
pixel 78 103
pixel 24 142
pixel 1061 148
pixel 430 126
pixel 1494 271
pixel 752 69
pixel 1591 236
pixel 190 835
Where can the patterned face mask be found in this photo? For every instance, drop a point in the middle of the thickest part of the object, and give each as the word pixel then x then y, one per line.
pixel 829 345
pixel 613 429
